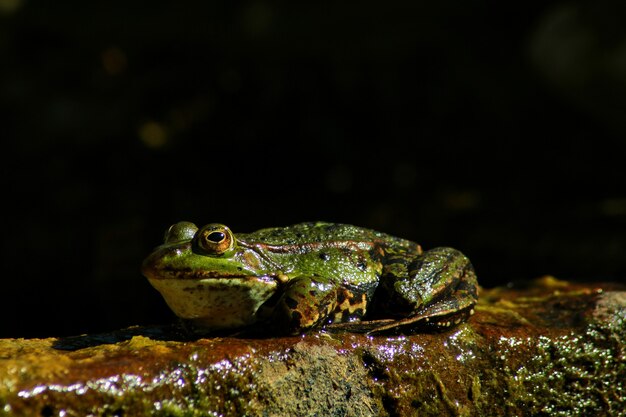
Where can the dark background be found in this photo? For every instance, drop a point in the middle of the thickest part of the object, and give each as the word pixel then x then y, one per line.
pixel 494 127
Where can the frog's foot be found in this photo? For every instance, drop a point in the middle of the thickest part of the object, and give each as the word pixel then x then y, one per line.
pixel 439 316
pixel 440 293
pixel 304 304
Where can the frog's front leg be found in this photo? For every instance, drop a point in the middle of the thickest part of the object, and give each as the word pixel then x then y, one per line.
pixel 437 290
pixel 304 303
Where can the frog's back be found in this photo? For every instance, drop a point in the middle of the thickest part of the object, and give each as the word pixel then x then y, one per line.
pixel 324 233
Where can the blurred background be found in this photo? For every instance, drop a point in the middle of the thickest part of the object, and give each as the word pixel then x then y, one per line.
pixel 498 128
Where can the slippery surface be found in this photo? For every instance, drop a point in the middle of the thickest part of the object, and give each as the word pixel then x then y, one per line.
pixel 550 348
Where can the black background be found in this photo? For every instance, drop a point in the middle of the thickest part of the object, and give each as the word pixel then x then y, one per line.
pixel 494 127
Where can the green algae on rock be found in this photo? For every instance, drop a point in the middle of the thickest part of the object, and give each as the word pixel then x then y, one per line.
pixel 548 348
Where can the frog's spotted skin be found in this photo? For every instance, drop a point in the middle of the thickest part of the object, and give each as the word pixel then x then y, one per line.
pixel 295 278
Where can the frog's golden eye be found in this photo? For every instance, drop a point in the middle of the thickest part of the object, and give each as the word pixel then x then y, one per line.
pixel 214 239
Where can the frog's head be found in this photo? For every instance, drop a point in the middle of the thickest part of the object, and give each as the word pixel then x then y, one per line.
pixel 208 277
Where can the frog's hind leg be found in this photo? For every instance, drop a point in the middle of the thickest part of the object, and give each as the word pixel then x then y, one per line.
pixel 440 292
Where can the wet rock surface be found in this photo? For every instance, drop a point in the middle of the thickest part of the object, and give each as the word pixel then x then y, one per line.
pixel 546 348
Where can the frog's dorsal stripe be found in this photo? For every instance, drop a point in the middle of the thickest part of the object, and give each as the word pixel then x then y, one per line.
pixel 302 248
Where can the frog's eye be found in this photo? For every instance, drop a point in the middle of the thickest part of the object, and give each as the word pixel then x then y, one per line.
pixel 180 231
pixel 214 239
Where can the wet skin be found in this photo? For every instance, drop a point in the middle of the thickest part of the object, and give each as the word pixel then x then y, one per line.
pixel 288 280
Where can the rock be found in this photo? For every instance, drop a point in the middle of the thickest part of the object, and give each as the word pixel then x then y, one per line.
pixel 548 348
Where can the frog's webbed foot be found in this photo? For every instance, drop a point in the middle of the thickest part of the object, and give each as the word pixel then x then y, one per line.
pixel 305 303
pixel 440 317
pixel 440 292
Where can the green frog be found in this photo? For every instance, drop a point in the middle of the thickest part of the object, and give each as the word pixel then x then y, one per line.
pixel 289 280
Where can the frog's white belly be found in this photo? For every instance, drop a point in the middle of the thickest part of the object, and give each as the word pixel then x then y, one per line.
pixel 216 303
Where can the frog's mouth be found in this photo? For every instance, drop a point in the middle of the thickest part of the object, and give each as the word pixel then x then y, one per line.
pixel 215 302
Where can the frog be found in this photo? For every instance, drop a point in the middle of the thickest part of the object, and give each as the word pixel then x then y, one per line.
pixel 294 279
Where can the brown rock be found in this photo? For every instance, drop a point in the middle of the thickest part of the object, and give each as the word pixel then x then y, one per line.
pixel 550 348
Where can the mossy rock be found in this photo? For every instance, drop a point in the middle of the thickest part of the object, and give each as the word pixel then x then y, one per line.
pixel 547 348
